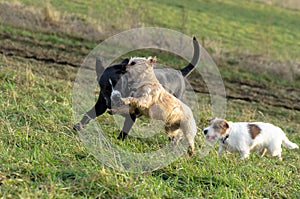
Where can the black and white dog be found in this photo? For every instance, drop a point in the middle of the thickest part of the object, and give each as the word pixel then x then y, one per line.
pixel 115 78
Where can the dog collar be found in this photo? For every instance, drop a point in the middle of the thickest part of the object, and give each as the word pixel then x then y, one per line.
pixel 225 138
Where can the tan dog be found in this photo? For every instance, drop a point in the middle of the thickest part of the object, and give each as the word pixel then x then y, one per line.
pixel 152 100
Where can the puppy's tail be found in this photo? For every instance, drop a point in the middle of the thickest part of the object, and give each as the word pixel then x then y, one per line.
pixel 288 144
pixel 186 70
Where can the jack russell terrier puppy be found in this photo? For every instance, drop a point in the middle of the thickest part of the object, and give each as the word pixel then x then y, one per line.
pixel 243 137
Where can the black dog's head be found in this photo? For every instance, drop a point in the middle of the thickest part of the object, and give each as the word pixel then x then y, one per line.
pixel 109 77
pixel 118 68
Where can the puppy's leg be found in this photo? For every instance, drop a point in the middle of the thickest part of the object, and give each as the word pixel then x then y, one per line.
pixel 277 153
pixel 129 121
pixel 275 149
pixel 263 152
pixel 220 149
pixel 244 154
pixel 98 109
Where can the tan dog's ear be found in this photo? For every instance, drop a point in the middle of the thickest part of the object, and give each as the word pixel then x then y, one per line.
pixel 151 60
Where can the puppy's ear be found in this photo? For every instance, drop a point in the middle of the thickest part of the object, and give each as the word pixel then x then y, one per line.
pixel 225 124
pixel 210 120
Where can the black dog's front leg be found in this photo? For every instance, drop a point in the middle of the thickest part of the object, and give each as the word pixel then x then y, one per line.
pixel 98 109
pixel 129 121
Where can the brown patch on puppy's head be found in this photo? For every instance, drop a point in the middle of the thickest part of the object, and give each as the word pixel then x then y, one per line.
pixel 220 125
pixel 216 130
pixel 254 130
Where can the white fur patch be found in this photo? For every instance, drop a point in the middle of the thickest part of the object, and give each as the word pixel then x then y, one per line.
pixel 137 60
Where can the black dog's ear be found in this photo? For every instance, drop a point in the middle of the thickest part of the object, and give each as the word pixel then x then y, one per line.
pixel 125 61
pixel 99 66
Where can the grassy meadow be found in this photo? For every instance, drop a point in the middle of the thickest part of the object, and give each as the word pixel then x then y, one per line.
pixel 42 44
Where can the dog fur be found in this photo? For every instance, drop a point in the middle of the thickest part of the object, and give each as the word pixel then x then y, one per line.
pixel 244 137
pixel 115 77
pixel 152 100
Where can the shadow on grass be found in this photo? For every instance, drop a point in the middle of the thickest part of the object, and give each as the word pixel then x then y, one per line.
pixel 185 181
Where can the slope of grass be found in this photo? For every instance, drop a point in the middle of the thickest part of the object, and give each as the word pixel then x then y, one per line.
pixel 245 26
pixel 41 157
pixel 229 30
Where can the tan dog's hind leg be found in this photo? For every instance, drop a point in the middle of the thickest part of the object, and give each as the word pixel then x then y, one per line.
pixel 191 145
pixel 175 136
pixel 189 128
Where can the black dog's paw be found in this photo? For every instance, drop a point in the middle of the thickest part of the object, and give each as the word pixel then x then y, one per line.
pixel 78 127
pixel 109 111
pixel 122 136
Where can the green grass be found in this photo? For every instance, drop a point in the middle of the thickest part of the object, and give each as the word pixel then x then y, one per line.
pixel 229 31
pixel 48 37
pixel 237 26
pixel 41 157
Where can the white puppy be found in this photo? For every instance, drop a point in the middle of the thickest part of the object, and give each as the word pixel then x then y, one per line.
pixel 243 137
